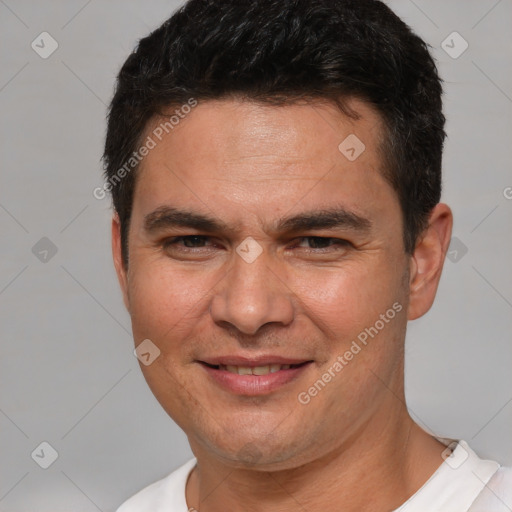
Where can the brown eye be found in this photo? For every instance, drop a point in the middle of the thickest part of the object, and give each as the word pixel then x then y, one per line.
pixel 193 241
pixel 319 243
pixel 187 242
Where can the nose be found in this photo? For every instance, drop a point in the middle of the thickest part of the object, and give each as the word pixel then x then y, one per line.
pixel 252 295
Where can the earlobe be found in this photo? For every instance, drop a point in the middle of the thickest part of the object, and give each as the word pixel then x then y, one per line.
pixel 427 261
pixel 117 255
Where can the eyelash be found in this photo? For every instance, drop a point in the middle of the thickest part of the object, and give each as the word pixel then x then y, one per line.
pixel 175 240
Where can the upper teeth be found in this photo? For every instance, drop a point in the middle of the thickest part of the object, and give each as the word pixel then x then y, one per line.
pixel 254 370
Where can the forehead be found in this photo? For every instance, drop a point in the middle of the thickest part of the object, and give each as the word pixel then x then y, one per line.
pixel 241 153
pixel 244 127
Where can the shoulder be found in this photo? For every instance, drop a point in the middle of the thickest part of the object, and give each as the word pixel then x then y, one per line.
pixel 167 494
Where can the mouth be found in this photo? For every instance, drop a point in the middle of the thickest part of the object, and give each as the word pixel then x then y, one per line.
pixel 254 377
pixel 254 370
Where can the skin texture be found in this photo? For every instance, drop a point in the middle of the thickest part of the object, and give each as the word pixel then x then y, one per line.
pixel 248 165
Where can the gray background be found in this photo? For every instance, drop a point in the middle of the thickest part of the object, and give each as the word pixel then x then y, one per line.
pixel 68 375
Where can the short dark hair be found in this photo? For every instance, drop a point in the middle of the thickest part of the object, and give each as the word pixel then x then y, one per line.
pixel 280 52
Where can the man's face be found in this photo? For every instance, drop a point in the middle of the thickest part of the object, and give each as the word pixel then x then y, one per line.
pixel 299 293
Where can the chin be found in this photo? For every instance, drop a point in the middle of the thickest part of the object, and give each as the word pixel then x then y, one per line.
pixel 261 453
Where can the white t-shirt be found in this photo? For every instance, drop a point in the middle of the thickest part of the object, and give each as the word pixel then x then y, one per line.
pixel 462 483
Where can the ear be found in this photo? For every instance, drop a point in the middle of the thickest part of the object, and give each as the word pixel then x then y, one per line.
pixel 427 261
pixel 117 253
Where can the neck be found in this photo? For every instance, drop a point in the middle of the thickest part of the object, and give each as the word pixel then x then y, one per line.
pixel 379 469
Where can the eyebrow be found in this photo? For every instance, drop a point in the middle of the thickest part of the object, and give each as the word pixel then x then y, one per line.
pixel 169 217
pixel 166 217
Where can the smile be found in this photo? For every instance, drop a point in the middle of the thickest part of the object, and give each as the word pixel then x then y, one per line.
pixel 256 370
pixel 254 379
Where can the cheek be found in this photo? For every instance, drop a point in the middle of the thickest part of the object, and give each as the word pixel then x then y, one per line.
pixel 163 301
pixel 346 299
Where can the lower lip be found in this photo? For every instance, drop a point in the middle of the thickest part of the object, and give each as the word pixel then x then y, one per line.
pixel 253 385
